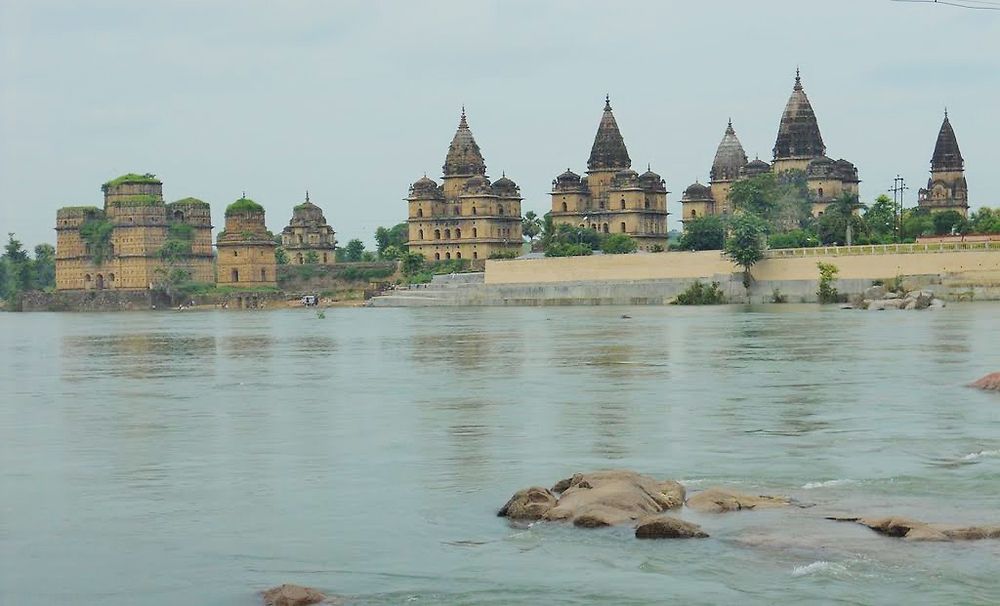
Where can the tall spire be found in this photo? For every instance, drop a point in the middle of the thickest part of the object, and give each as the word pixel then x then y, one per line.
pixel 730 157
pixel 947 156
pixel 464 157
pixel 798 133
pixel 608 151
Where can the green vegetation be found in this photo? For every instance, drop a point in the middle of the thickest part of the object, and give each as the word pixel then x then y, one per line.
pixel 778 297
pixel 880 220
pixel 311 257
pixel 243 205
pixel 827 274
pixel 178 244
pixel 746 243
pixel 138 200
pixel 191 202
pixel 700 294
pixel 618 244
pixel 370 274
pixel 130 178
pixel 703 233
pixel 568 240
pixel 531 225
pixel 504 254
pixel 391 242
pixel 656 248
pixel 280 254
pixel 354 251
pixel 796 238
pixel 985 221
pixel 949 222
pixel 560 249
pixel 96 233
pixel 19 273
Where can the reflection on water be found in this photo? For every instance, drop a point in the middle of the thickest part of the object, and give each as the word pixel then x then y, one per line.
pixel 367 453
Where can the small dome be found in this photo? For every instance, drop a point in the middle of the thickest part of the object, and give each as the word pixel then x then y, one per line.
pixel 626 177
pixel 503 185
pixel 697 192
pixel 650 176
pixel 477 185
pixel 425 188
pixel 756 167
pixel 568 177
pixel 820 167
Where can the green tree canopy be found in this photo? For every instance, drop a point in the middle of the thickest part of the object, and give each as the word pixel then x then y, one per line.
pixel 985 221
pixel 396 236
pixel 704 233
pixel 531 225
pixel 618 244
pixel 354 251
pixel 949 222
pixel 746 243
pixel 880 218
pixel 916 222
pixel 841 220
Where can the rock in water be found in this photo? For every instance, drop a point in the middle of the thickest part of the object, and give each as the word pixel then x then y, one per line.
pixel 608 498
pixel 915 530
pixel 719 500
pixel 292 595
pixel 667 527
pixel 528 504
pixel 990 382
pixel 875 292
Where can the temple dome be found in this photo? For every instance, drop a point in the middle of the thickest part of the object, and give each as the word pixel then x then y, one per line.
pixel 505 186
pixel 729 157
pixel 696 192
pixel 477 185
pixel 947 156
pixel 464 157
pixel 608 151
pixel 425 188
pixel 756 167
pixel 798 132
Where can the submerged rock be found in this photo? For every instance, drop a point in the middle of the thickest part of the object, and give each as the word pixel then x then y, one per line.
pixel 915 530
pixel 990 382
pixel 720 500
pixel 293 595
pixel 528 504
pixel 592 500
pixel 668 527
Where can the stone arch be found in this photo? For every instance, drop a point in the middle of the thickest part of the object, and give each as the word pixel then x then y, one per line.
pixel 437 234
pixel 647 204
pixel 458 233
pixel 820 192
pixel 694 213
pixel 458 255
pixel 475 232
pixel 473 210
pixel 420 212
pixel 236 253
pixel 299 259
pixel 326 259
pixel 447 234
pixel 447 256
pixel 500 210
pixel 111 278
pixel 263 275
pixel 564 207
pixel 299 238
pixel 86 280
pixel 623 227
pixel 601 204
pixel 178 215
pixel 437 256
pixel 420 235
pixel 623 203
pixel 604 228
pixel 234 275
pixel 99 282
pixel 475 255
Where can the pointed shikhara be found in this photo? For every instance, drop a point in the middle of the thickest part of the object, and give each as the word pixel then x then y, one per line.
pixel 946 188
pixel 466 216
pixel 613 198
pixel 798 132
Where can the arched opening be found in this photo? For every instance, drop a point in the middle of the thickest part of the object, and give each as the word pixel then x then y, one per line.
pixel 100 281
pixel 601 204
pixel 821 192
pixel 475 255
pixel 458 255
pixel 326 259
pixel 236 253
pixel 623 203
pixel 447 234
pixel 694 213
pixel 475 232
pixel 420 235
pixel 178 215
pixel 299 259
pixel 473 210
pixel 437 234
pixel 111 278
pixel 437 256
pixel 647 204
pixel 593 226
pixel 623 227
pixel 86 281
pixel 458 234
pixel 564 207
pixel 447 256
pixel 234 276
pixel 299 236
pixel 263 275
pixel 500 210
pixel 420 212
pixel 604 228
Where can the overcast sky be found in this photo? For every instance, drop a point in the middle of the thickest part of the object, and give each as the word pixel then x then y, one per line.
pixel 355 100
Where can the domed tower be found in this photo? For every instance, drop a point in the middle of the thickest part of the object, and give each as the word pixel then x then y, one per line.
pixel 754 168
pixel 799 139
pixel 613 198
pixel 134 205
pixel 246 247
pixel 726 168
pixel 307 237
pixel 79 231
pixel 697 202
pixel 946 189
pixel 467 216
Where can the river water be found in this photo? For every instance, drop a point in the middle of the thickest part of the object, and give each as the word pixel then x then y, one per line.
pixel 198 457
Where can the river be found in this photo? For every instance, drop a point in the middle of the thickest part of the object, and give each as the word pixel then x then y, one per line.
pixel 193 457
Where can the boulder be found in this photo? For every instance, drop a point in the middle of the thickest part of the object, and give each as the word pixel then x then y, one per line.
pixel 875 292
pixel 922 297
pixel 609 498
pixel 936 304
pixel 876 305
pixel 910 304
pixel 990 382
pixel 528 504
pixel 892 303
pixel 720 500
pixel 667 527
pixel 891 295
pixel 915 530
pixel 292 595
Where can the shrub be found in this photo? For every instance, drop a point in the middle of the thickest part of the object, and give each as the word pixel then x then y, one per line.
pixel 559 249
pixel 504 254
pixel 703 233
pixel 618 244
pixel 827 273
pixel 700 294
pixel 778 297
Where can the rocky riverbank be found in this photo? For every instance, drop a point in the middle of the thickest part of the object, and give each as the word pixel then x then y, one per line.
pixel 879 298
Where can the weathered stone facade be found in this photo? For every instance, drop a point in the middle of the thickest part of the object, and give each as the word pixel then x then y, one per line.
pixel 308 235
pixel 798 147
pixel 946 189
pixel 613 198
pixel 122 246
pixel 246 248
pixel 467 216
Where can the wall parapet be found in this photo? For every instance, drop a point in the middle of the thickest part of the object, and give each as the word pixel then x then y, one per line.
pixel 883 249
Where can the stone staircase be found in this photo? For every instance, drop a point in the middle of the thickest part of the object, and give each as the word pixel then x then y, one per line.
pixel 448 289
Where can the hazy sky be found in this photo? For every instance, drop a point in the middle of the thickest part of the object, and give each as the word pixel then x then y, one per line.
pixel 355 100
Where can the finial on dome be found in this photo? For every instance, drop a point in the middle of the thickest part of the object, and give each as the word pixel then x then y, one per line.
pixel 945 112
pixel 307 195
pixel 244 194
pixel 607 102
pixel 462 122
pixel 503 174
pixel 798 79
pixel 648 167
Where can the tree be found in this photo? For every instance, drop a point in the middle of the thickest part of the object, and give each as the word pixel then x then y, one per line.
pixel 548 230
pixel 396 236
pixel 985 221
pixel 949 222
pixel 531 225
pixel 43 267
pixel 3 278
pixel 18 272
pixel 704 233
pixel 312 257
pixel 827 274
pixel 618 244
pixel 756 195
pixel 411 263
pixel 280 254
pixel 746 243
pixel 916 222
pixel 840 223
pixel 880 218
pixel 391 253
pixel 354 251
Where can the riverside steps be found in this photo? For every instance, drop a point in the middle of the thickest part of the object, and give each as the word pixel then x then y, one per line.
pixel 954 271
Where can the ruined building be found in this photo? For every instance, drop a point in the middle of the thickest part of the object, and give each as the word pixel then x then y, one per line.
pixel 946 188
pixel 307 238
pixel 613 198
pixel 466 216
pixel 135 241
pixel 246 247
pixel 798 149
